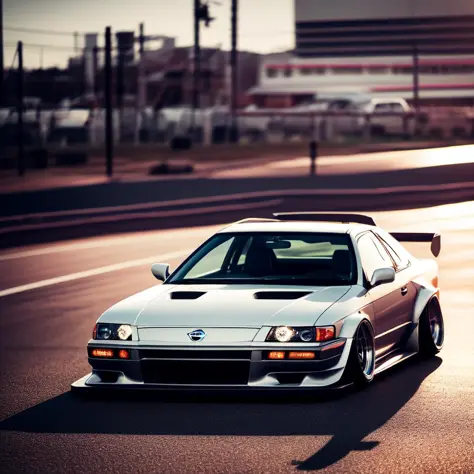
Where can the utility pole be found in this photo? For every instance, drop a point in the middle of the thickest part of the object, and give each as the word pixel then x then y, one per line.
pixel 21 164
pixel 416 84
pixel 119 90
pixel 76 42
pixel 141 40
pixel 141 86
pixel 234 72
pixel 201 13
pixel 2 76
pixel 95 68
pixel 109 138
pixel 197 64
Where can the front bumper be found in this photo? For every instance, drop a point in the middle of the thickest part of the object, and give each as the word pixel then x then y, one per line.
pixel 234 368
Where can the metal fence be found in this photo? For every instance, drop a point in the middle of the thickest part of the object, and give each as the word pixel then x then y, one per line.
pixel 66 126
pixel 212 126
pixel 31 125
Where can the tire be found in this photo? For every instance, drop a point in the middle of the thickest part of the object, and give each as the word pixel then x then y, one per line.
pixel 360 367
pixel 431 330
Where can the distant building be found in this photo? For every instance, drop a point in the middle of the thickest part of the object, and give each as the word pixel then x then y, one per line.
pixel 367 47
pixel 171 81
pixel 164 76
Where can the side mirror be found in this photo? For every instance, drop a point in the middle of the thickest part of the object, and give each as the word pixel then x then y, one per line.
pixel 382 275
pixel 161 271
pixel 436 245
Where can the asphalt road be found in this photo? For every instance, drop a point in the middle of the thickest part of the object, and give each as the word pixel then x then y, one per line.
pixel 362 171
pixel 418 418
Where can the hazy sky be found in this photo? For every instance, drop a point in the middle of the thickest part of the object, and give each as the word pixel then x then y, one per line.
pixel 264 25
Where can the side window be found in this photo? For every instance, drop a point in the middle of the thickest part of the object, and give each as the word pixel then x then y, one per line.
pixel 372 254
pixel 395 250
pixel 382 108
pixel 393 254
pixel 396 107
pixel 272 72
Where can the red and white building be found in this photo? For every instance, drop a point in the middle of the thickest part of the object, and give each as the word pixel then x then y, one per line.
pixel 368 47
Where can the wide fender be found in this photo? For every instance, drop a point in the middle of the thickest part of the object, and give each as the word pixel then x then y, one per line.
pixel 424 294
pixel 348 326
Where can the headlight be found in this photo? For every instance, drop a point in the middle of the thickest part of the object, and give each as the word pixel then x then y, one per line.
pixel 304 334
pixel 112 332
pixel 284 334
pixel 124 332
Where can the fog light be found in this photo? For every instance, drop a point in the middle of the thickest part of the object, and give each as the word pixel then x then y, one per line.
pixel 301 355
pixel 123 354
pixel 276 355
pixel 102 353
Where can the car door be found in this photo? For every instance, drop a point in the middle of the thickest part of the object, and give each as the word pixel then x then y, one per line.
pixel 392 302
pixel 396 124
pixel 381 123
pixel 403 278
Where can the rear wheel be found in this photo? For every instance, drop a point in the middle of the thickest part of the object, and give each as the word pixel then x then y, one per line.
pixel 361 364
pixel 431 329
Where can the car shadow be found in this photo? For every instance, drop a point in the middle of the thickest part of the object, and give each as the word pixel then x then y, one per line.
pixel 347 417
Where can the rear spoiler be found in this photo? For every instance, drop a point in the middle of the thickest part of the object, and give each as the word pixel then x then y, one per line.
pixel 434 238
pixel 325 217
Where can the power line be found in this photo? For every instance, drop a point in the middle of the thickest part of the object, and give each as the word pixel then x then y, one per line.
pixel 43 46
pixel 38 31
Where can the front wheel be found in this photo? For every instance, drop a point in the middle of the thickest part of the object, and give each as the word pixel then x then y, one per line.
pixel 361 363
pixel 431 329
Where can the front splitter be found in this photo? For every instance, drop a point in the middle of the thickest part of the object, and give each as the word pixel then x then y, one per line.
pixel 81 387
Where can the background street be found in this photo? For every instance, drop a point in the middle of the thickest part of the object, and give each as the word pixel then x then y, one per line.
pixel 416 418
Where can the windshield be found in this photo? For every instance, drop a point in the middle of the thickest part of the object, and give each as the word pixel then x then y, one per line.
pixel 312 259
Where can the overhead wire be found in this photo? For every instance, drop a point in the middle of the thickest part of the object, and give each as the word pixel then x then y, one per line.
pixel 40 31
pixel 43 46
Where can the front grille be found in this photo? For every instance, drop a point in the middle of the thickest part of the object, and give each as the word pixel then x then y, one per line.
pixel 194 354
pixel 195 372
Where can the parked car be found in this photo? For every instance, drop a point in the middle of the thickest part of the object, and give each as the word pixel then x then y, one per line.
pixel 393 119
pixel 322 118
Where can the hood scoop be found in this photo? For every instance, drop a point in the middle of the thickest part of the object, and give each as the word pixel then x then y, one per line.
pixel 280 295
pixel 186 295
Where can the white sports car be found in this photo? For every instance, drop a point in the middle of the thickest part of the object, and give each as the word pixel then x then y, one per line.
pixel 304 300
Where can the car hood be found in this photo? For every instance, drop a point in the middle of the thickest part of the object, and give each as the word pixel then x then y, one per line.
pixel 225 306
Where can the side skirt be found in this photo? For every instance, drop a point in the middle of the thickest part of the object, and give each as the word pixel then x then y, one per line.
pixel 393 359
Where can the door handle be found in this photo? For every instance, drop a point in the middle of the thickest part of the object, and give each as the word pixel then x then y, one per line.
pixel 404 291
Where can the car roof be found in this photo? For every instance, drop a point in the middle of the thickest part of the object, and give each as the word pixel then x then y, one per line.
pixel 296 226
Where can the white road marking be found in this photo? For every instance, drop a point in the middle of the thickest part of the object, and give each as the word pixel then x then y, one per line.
pixel 93 272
